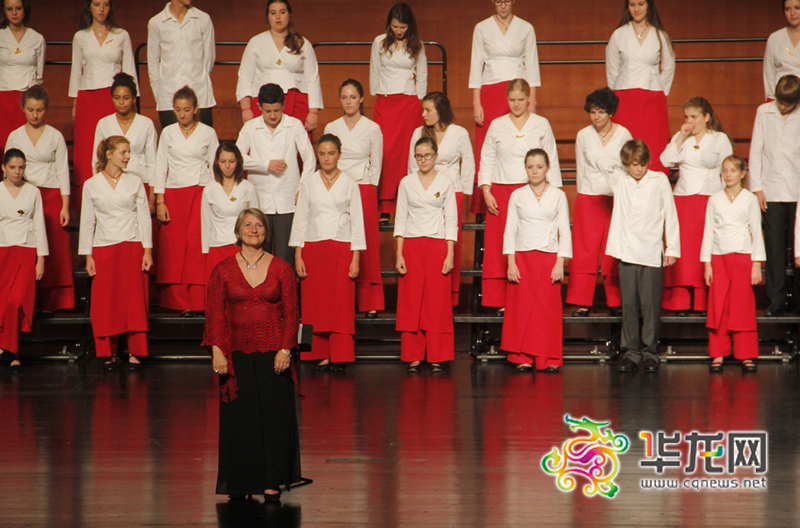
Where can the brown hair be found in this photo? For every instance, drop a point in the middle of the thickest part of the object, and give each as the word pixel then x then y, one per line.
pixel 293 40
pixel 653 19
pixel 26 18
pixel 358 87
pixel 635 151
pixel 330 138
pixel 442 105
pixel 187 94
pixel 259 214
pixel 788 90
pixel 427 141
pixel 109 144
pixel 705 107
pixel 740 164
pixel 403 14
pixel 85 21
pixel 37 93
pixel 229 146
pixel 538 152
pixel 519 85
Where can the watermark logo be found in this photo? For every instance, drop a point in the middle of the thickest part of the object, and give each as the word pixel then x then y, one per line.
pixel 592 458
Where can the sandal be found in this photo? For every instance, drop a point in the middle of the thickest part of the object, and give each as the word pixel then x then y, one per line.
pixel 552 369
pixel 413 367
pixel 110 365
pixel 581 312
pixel 715 366
pixel 524 368
pixel 749 366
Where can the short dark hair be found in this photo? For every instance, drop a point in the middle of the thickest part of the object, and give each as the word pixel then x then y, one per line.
pixel 270 94
pixel 605 99
pixel 330 138
pixel 37 93
pixel 26 19
pixel 788 90
pixel 126 81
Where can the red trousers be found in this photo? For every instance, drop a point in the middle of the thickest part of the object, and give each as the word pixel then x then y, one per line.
pixel 455 275
pixel 644 113
pixel 495 264
pixel 686 277
pixel 17 294
pixel 90 107
pixel 13 116
pixel 369 284
pixel 56 291
pixel 398 116
pixel 732 308
pixel 295 105
pixel 107 346
pixel 495 104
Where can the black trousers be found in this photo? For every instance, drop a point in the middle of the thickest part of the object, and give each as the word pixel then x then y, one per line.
pixel 280 225
pixel 779 241
pixel 167 117
pixel 640 289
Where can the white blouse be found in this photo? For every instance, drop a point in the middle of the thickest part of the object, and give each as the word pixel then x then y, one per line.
pixel 329 214
pixel 94 65
pixel 184 162
pixel 144 141
pixel 431 213
pixel 259 145
pixel 362 149
pixel 535 225
pixel 46 163
pixel 263 63
pixel 455 158
pixel 219 211
pixel 780 58
pixel 181 54
pixel 504 149
pixel 590 153
pixel 650 66
pixel 21 63
pixel 397 72
pixel 733 227
pixel 114 215
pixel 22 219
pixel 700 164
pixel 774 160
pixel 498 58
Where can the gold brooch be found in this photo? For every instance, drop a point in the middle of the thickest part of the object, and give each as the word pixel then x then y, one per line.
pixel 17 51
pixel 21 212
pixel 233 198
pixel 697 147
pixel 437 195
pixel 279 62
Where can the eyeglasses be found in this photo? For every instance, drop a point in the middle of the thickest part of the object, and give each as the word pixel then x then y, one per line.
pixel 420 157
pixel 503 2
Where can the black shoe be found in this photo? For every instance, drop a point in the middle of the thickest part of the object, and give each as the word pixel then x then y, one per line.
pixel 749 366
pixel 274 497
pixel 581 312
pixel 701 313
pixel 134 367
pixel 524 368
pixel 371 315
pixel 650 365
pixel 436 368
pixel 110 365
pixel 7 357
pixel 384 218
pixel 615 312
pixel 336 367
pixel 16 369
pixel 551 370
pixel 682 313
pixel 715 367
pixel 773 311
pixel 413 369
pixel 627 366
pixel 323 368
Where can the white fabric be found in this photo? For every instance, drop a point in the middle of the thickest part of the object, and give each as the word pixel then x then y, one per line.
pixel 455 158
pixel 94 66
pixel 629 65
pixel 26 229
pixel 219 211
pixel 329 214
pixel 504 149
pixel 362 149
pixel 47 165
pixel 181 54
pixel 774 160
pixel 700 164
pixel 184 162
pixel 262 63
pixel 397 72
pixel 535 225
pixel 431 213
pixel 144 141
pixel 498 58
pixel 259 145
pixel 780 58
pixel 733 227
pixel 590 153
pixel 20 71
pixel 114 215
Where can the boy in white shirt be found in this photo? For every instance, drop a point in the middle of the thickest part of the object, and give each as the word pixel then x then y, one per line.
pixel 644 212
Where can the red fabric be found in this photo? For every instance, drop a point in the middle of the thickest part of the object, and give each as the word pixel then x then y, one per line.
pixel 687 272
pixel 217 255
pixel 455 275
pixel 107 346
pixel 181 261
pixel 590 220
pixel 295 105
pixel 251 320
pixel 423 293
pixel 644 113
pixel 119 290
pixel 533 324
pixel 437 346
pixel 337 347
pixel 17 294
pixel 90 107
pixel 495 264
pixel 369 284
pixel 732 307
pixel 495 104
pixel 398 116
pixel 55 290
pixel 13 116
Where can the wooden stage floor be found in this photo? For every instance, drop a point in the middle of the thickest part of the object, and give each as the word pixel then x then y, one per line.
pixel 389 449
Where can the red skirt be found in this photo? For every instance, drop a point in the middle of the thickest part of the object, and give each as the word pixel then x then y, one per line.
pixel 495 264
pixel 398 116
pixel 688 270
pixel 732 292
pixel 644 113
pixel 495 104
pixel 119 290
pixel 17 294
pixel 91 107
pixel 295 105
pixel 328 293
pixel 369 284
pixel 218 254
pixel 533 324
pixel 13 116
pixel 455 275
pixel 56 289
pixel 423 293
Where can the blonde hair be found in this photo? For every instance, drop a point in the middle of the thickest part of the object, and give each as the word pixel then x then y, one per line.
pixel 109 144
pixel 519 85
pixel 259 214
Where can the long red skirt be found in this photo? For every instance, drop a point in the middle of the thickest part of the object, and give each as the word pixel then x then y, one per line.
pixel 644 113
pixel 495 264
pixel 732 307
pixel 329 300
pixel 590 221
pixel 495 104
pixel 17 294
pixel 398 116
pixel 455 275
pixel 217 255
pixel 181 261
pixel 119 290
pixel 13 116
pixel 369 284
pixel 533 327
pixel 91 107
pixel 295 105
pixel 686 276
pixel 56 289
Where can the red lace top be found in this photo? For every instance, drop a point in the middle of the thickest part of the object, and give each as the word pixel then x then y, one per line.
pixel 240 317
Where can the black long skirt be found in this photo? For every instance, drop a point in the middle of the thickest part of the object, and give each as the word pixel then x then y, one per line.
pixel 259 445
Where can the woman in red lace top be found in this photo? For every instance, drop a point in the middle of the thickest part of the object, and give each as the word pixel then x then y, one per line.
pixel 252 320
